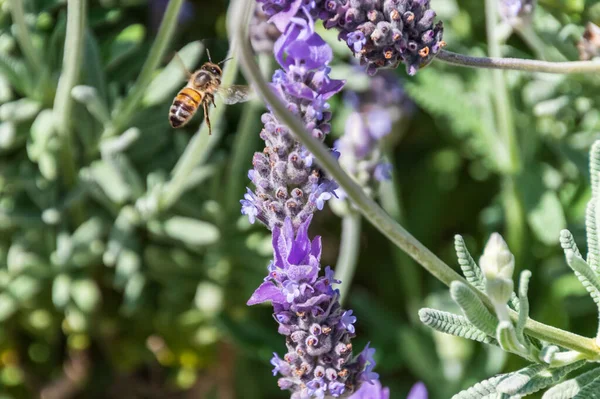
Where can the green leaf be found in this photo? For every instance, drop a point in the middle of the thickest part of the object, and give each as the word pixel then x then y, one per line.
pixel 85 294
pixel 190 231
pixel 534 378
pixel 547 218
pixel 470 270
pixel 507 337
pixel 173 76
pixel 20 110
pixel 570 388
pixel 593 255
pixel 523 304
pixel 473 308
pixel 452 324
pixel 590 391
pixel 484 389
pixel 585 274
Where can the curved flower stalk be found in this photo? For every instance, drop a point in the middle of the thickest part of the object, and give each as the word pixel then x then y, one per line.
pixel 381 33
pixel 288 182
pixel 320 360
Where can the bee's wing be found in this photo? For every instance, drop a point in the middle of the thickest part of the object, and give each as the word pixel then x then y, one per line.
pixel 235 94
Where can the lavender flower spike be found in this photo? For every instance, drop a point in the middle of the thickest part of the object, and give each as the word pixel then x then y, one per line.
pixel 318 331
pixel 288 183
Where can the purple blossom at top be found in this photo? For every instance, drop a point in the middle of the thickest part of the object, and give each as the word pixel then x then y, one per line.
pixel 318 331
pixel 376 391
pixel 375 111
pixel 263 33
pixel 381 33
pixel 288 183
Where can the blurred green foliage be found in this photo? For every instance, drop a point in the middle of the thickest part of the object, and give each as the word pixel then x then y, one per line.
pixel 103 295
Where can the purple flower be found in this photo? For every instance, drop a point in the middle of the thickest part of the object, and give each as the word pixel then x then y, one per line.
pixel 372 391
pixel 319 361
pixel 418 391
pixel 287 182
pixel 376 111
pixel 263 33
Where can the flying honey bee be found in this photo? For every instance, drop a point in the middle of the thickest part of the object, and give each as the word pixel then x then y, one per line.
pixel 201 88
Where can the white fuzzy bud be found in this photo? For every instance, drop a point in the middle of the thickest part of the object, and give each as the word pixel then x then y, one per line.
pixel 498 264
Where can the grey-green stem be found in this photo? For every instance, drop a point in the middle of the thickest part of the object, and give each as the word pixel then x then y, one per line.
pixel 349 251
pixel 519 64
pixel 24 38
pixel 370 210
pixel 63 102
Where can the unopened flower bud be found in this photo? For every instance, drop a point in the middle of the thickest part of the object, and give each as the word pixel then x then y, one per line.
pixel 498 265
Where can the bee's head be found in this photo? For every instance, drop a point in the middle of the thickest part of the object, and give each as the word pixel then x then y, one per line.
pixel 213 69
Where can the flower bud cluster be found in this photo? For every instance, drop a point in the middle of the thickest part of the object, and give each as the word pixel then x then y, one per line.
pixel 263 33
pixel 516 12
pixel 288 183
pixel 318 331
pixel 498 265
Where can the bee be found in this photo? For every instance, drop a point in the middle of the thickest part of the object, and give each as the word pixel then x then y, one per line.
pixel 200 89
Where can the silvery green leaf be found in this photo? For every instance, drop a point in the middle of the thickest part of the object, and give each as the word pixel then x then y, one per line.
pixel 85 294
pixel 88 96
pixel 209 298
pixel 585 274
pixel 42 130
pixel 590 391
pixel 470 270
pixel 24 287
pixel 485 389
pixel 133 292
pixel 450 323
pixel 111 182
pixel 547 218
pixel 473 308
pixel 8 306
pixel 48 164
pixel 173 76
pixel 120 163
pixel 93 71
pixel 128 265
pixel 190 231
pixel 534 378
pixel 595 168
pixel 126 42
pixel 20 110
pixel 121 235
pixel 8 135
pixel 15 71
pixel 570 388
pixel 507 337
pixel 593 255
pixel 523 304
pixel 92 229
pixel 6 93
pixel 121 142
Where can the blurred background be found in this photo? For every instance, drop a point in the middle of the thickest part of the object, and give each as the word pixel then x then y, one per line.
pixel 104 296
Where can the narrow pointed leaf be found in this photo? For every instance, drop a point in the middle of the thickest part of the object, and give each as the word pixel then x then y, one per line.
pixel 470 270
pixel 535 378
pixel 484 389
pixel 473 308
pixel 570 388
pixel 452 324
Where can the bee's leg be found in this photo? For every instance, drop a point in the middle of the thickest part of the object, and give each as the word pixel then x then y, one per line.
pixel 206 117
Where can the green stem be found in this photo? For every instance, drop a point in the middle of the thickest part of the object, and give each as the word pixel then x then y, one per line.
pixel 519 64
pixel 63 102
pixel 504 117
pixel 349 250
pixel 157 52
pixel 23 37
pixel 370 210
pixel 201 145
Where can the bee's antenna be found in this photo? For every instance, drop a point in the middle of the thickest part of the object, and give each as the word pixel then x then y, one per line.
pixel 227 59
pixel 208 53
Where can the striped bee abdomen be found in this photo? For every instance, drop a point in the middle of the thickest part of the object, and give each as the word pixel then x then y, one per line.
pixel 184 106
